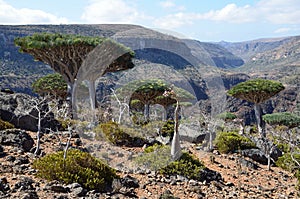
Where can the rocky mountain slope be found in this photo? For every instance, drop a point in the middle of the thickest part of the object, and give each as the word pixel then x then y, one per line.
pixel 241 177
pixel 199 67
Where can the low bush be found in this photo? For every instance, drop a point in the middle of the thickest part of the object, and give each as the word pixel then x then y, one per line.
pixel 5 125
pixel 112 132
pixel 155 157
pixel 158 158
pixel 79 167
pixel 227 142
pixel 287 163
pixel 186 166
pixel 168 129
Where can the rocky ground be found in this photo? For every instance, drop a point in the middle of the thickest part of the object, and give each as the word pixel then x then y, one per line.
pixel 242 178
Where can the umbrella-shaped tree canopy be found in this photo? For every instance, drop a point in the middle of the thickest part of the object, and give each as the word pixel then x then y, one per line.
pixel 66 53
pixel 52 84
pixel 256 90
pixel 283 118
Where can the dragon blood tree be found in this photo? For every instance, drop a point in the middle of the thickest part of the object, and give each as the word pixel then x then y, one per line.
pixel 67 53
pixel 256 91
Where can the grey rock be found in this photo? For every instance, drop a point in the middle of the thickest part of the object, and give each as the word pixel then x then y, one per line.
pixel 256 155
pixel 58 188
pixel 4 186
pixel 191 133
pixel 248 164
pixel 129 182
pixel 30 195
pixel 25 184
pixel 16 137
pixel 19 110
pixel 21 160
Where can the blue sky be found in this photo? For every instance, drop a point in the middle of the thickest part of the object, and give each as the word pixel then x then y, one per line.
pixel 204 20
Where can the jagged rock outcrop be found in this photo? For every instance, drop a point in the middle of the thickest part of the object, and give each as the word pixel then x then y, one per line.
pixel 18 109
pixel 16 137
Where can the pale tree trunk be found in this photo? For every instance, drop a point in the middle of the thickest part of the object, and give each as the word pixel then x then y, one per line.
pixel 259 120
pixel 71 99
pixel 92 93
pixel 68 142
pixel 175 146
pixel 122 106
pixel 147 112
pixel 38 134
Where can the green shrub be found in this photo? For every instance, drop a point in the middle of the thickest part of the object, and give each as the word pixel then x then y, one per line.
pixel 78 167
pixel 112 132
pixel 168 128
pixel 283 147
pixel 227 116
pixel 158 158
pixel 186 166
pixel 155 157
pixel 286 162
pixel 5 125
pixel 227 142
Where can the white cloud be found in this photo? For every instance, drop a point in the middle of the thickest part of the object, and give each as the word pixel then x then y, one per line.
pixel 266 11
pixel 282 30
pixel 231 13
pixel 168 4
pixel 107 11
pixel 280 12
pixel 11 15
pixel 175 20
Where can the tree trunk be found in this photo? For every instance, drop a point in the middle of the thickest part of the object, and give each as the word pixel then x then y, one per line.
pixel 175 146
pixel 38 134
pixel 147 112
pixel 71 100
pixel 92 93
pixel 259 120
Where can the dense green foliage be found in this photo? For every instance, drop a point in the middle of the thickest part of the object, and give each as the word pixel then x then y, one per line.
pixel 78 167
pixel 284 118
pixel 52 84
pixel 167 129
pixel 155 157
pixel 112 132
pixel 227 142
pixel 49 40
pixel 158 158
pixel 227 116
pixel 187 166
pixel 256 90
pixel 5 125
pixel 287 163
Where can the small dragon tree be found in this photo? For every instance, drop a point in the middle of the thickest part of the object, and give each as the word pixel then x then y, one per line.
pixel 52 85
pixel 144 91
pixel 166 100
pixel 283 118
pixel 66 53
pixel 287 119
pixel 256 91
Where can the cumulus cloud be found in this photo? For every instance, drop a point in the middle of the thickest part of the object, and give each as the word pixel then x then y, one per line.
pixel 168 4
pixel 267 11
pixel 282 30
pixel 107 11
pixel 280 12
pixel 10 15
